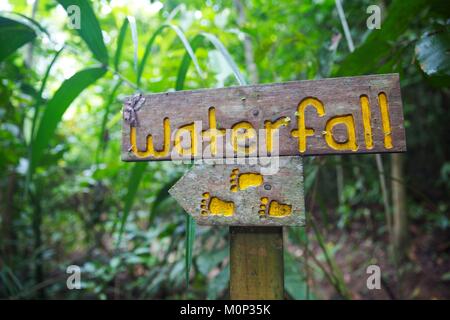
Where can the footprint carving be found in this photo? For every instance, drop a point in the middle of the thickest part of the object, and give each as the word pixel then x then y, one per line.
pixel 215 206
pixel 274 208
pixel 242 181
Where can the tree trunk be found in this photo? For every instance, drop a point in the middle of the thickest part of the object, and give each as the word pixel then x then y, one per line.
pixel 8 212
pixel 400 219
pixel 248 45
pixel 37 245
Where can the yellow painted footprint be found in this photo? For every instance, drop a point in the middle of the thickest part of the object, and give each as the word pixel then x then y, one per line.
pixel 274 209
pixel 243 181
pixel 215 206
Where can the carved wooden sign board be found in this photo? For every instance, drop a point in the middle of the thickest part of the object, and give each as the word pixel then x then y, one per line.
pixel 320 117
pixel 243 195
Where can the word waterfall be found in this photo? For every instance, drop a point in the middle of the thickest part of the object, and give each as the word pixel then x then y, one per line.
pixel 331 116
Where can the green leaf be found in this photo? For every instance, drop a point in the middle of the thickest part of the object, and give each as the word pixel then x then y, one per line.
pixel 219 283
pixel 13 35
pixel 186 62
pixel 190 237
pixel 58 104
pixel 294 277
pixel 133 185
pixel 445 276
pixel 37 109
pixel 208 260
pixel 41 91
pixel 163 193
pixel 29 22
pixel 89 30
pixel 196 42
pixel 433 54
pixel 190 223
pixel 219 46
pixel 377 48
pixel 149 45
pixel 120 41
pixel 335 271
pixel 134 37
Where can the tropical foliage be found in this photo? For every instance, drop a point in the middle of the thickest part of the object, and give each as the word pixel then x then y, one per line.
pixel 67 199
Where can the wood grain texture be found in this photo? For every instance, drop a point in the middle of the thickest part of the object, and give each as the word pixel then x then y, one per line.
pixel 259 103
pixel 256 263
pixel 282 189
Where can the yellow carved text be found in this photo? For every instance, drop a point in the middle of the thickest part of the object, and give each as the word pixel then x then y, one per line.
pixel 180 135
pixel 150 150
pixel 349 123
pixel 302 132
pixel 243 132
pixel 213 133
pixel 270 127
pixel 365 109
pixel 384 109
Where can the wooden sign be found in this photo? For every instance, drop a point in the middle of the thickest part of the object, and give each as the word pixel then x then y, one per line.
pixel 243 195
pixel 331 116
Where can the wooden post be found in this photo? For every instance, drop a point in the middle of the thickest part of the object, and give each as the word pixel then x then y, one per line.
pixel 256 263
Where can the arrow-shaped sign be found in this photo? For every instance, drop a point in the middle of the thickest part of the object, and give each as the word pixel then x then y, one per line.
pixel 243 194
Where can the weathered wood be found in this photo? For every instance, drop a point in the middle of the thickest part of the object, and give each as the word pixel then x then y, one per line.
pixel 256 263
pixel 244 194
pixel 329 109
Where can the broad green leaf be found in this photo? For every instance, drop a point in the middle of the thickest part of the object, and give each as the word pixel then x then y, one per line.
pixel 433 54
pixel 30 22
pixel 133 184
pixel 149 46
pixel 57 105
pixel 371 55
pixel 13 35
pixel 120 41
pixel 89 28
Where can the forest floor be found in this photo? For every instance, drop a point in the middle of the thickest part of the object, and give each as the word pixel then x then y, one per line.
pixel 422 274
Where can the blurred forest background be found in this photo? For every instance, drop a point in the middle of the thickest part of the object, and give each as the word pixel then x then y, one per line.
pixel 67 199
